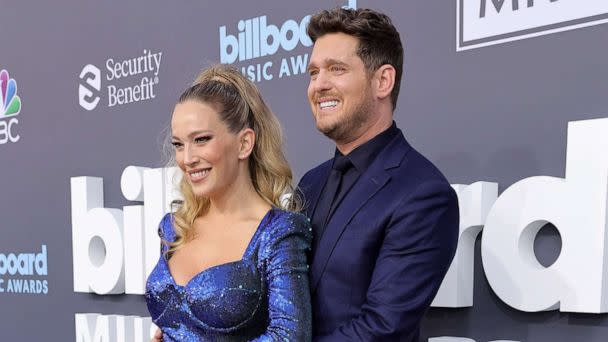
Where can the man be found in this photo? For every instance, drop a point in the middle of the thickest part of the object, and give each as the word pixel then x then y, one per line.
pixel 385 220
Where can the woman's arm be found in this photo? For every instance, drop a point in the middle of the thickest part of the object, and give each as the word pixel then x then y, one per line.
pixel 286 275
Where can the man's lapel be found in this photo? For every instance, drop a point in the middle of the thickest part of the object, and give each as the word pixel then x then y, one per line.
pixel 313 191
pixel 364 189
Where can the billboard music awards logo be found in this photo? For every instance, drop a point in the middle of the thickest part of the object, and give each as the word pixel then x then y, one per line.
pixel 257 38
pixel 488 22
pixel 10 107
pixel 17 271
pixel 125 80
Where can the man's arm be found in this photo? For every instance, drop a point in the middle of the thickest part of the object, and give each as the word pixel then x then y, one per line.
pixel 417 250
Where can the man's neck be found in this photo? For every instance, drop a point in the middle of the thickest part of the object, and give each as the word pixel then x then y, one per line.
pixel 366 133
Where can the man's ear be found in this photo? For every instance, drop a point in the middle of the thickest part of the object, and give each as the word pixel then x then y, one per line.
pixel 246 142
pixel 384 79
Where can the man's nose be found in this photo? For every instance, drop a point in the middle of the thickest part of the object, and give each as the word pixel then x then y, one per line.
pixel 321 82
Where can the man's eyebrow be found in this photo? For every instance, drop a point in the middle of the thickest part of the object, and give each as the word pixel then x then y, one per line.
pixel 326 61
pixel 331 61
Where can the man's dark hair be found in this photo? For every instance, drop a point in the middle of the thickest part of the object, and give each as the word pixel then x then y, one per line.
pixel 379 41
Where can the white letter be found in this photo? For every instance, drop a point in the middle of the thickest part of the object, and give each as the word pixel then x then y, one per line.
pixel 41 262
pixel 13 138
pixel 105 259
pixel 286 43
pixel 160 191
pixel 4 132
pixel 352 4
pixel 131 183
pixel 304 38
pixel 143 328
pixel 124 328
pixel 576 205
pixel 225 42
pixel 135 277
pixel 99 323
pixel 265 33
pixel 474 201
pixel 86 194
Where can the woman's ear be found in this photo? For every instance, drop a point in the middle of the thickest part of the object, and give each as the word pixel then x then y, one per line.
pixel 246 143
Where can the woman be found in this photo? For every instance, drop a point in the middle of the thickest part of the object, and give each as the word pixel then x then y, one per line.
pixel 233 265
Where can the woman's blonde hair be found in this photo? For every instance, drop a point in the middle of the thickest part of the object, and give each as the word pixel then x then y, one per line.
pixel 239 105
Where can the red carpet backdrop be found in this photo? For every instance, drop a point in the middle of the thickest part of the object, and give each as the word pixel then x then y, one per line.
pixel 508 98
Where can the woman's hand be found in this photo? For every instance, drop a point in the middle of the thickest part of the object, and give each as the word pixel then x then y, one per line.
pixel 158 336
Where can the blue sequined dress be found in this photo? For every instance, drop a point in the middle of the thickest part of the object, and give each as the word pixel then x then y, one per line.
pixel 262 297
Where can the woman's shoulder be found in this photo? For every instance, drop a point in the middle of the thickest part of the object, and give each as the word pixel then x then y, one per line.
pixel 296 218
pixel 165 228
pixel 284 222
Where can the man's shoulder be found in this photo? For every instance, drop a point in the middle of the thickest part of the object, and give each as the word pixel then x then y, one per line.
pixel 421 166
pixel 415 170
pixel 315 173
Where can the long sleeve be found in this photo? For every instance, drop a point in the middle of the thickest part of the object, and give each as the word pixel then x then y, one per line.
pixel 418 247
pixel 286 274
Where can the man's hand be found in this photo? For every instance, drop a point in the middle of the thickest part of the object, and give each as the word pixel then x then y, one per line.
pixel 158 336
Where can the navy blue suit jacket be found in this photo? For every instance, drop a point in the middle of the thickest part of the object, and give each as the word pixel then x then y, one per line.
pixel 385 250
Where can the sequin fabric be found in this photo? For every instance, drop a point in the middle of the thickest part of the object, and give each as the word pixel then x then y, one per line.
pixel 262 297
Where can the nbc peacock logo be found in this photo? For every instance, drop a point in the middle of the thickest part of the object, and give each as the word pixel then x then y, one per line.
pixel 11 103
pixel 10 107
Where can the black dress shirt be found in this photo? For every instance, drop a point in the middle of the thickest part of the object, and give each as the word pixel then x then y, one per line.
pixel 360 159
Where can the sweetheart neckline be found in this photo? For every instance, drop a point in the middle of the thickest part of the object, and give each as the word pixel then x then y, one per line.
pixel 245 253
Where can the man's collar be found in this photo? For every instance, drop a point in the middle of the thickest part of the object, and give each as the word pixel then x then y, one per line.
pixel 363 156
